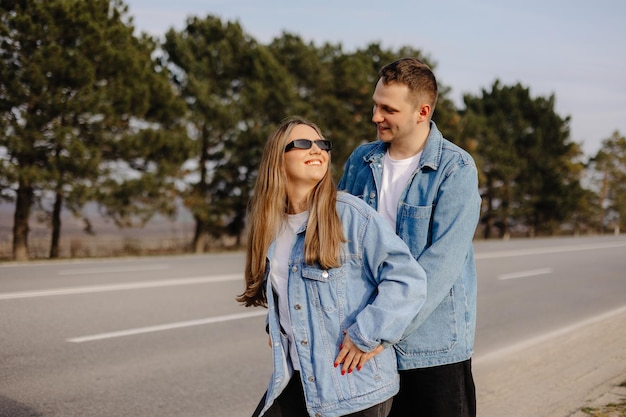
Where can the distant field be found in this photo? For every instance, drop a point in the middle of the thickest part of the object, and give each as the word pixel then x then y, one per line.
pixel 159 236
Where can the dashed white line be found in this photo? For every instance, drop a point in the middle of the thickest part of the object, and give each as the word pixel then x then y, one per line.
pixel 169 326
pixel 525 274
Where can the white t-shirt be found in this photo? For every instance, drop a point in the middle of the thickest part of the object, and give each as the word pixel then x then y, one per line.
pixel 396 174
pixel 279 274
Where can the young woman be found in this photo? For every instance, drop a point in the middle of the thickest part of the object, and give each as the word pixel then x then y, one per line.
pixel 337 281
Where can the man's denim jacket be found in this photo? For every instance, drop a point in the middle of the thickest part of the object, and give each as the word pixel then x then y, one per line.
pixel 437 217
pixel 374 294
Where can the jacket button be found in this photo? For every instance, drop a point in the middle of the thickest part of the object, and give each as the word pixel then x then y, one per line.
pixel 318 415
pixel 304 342
pixel 312 378
pixel 325 274
pixel 297 306
pixel 372 194
pixel 294 268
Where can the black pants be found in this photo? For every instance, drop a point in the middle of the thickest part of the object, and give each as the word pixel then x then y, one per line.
pixel 291 403
pixel 440 391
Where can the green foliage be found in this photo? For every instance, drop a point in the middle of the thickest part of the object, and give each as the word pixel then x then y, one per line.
pixel 235 92
pixel 609 167
pixel 89 112
pixel 529 168
pixel 75 83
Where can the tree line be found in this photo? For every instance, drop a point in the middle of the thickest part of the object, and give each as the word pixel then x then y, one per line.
pixel 91 112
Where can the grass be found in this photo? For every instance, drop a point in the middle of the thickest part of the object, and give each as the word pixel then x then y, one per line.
pixel 608 410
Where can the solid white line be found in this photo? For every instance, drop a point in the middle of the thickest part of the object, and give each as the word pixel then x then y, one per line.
pixel 162 327
pixel 121 287
pixel 542 251
pixel 524 274
pixel 129 268
pixel 518 347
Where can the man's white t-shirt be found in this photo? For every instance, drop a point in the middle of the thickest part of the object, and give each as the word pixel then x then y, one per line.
pixel 396 175
pixel 279 274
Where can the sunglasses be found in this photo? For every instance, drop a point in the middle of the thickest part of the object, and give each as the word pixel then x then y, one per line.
pixel 323 144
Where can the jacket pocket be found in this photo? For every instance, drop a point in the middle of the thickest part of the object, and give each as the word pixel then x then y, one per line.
pixel 414 227
pixel 325 287
pixel 437 335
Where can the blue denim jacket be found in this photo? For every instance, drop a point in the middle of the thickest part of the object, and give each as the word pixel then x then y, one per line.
pixel 437 218
pixel 373 295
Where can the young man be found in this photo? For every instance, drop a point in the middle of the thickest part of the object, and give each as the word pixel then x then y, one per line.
pixel 427 188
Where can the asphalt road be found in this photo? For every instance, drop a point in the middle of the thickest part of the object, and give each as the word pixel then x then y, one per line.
pixel 163 336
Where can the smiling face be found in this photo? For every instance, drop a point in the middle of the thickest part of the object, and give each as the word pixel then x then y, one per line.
pixel 305 168
pixel 395 116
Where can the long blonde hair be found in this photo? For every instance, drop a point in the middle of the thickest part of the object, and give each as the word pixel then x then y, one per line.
pixel 268 210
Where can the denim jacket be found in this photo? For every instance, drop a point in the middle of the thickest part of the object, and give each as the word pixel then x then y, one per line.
pixel 437 217
pixel 374 294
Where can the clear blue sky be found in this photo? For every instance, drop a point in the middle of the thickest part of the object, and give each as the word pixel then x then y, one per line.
pixel 573 49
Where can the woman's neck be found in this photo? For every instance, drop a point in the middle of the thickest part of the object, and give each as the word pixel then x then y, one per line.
pixel 296 207
pixel 298 200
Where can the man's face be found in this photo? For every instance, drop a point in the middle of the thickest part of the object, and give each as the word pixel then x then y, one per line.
pixel 395 117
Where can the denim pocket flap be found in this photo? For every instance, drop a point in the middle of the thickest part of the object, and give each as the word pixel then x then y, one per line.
pixel 417 212
pixel 322 275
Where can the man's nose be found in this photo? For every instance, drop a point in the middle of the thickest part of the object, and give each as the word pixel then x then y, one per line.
pixel 376 117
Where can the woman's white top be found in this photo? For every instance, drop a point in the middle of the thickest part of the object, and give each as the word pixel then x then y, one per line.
pixel 279 274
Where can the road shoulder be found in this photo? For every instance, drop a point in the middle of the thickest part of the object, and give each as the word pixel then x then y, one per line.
pixel 611 393
pixel 556 375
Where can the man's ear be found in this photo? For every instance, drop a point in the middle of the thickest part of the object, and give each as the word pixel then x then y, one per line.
pixel 424 112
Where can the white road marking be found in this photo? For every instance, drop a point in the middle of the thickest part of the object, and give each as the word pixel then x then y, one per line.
pixel 130 268
pixel 524 274
pixel 121 287
pixel 170 326
pixel 542 251
pixel 518 347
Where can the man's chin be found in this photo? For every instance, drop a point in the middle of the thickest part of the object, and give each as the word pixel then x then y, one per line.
pixel 384 135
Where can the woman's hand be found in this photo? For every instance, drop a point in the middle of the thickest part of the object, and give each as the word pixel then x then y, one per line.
pixel 352 357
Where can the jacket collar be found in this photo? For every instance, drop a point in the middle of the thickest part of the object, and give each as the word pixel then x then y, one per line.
pixel 431 156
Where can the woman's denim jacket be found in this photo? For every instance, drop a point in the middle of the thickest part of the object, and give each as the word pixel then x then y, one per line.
pixel 374 294
pixel 437 218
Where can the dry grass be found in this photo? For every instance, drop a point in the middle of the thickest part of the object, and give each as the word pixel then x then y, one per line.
pixel 102 246
pixel 126 243
pixel 609 410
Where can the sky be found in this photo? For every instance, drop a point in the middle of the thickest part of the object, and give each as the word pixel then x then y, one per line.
pixel 572 49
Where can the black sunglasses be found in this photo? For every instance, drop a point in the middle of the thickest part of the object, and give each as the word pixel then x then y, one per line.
pixel 323 144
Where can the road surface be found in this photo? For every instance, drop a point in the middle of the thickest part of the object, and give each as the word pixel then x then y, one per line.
pixel 163 336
